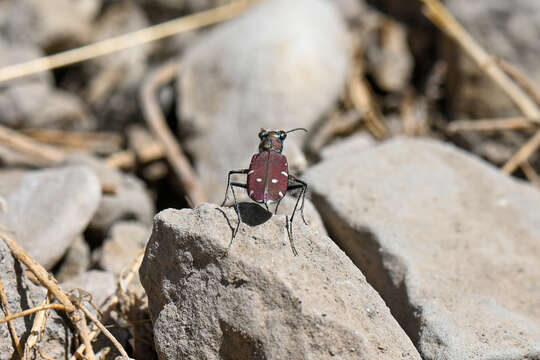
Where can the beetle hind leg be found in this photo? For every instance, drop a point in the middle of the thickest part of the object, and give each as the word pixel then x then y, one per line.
pixel 288 224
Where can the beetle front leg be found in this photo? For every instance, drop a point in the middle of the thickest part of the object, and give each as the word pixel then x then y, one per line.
pixel 239 171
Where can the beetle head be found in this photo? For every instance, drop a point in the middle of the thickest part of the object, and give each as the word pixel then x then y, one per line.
pixel 273 139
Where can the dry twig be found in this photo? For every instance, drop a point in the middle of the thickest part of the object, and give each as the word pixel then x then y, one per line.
pixel 42 154
pixel 156 122
pixel 521 79
pixel 106 332
pixel 489 65
pixel 33 310
pixel 76 140
pixel 40 321
pixel 492 124
pixel 143 36
pixel 11 326
pixel 362 98
pixel 437 13
pixel 531 174
pixel 76 312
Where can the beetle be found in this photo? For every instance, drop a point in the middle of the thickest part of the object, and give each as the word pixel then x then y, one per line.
pixel 268 179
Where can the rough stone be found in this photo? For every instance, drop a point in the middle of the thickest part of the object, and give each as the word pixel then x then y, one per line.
pixel 280 65
pixel 126 239
pixel 353 144
pixel 48 209
pixel 22 294
pixel 125 197
pixel 33 102
pixel 100 285
pixel 449 242
pixel 259 301
pixel 76 261
pixel 115 80
pixel 51 25
pixel 508 30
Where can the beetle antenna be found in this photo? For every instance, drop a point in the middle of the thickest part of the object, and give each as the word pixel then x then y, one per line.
pixel 296 129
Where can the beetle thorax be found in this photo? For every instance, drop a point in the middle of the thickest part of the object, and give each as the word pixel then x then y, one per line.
pixel 272 141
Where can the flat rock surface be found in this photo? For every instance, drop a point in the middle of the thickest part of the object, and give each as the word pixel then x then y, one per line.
pixel 449 242
pixel 278 66
pixel 59 204
pixel 206 304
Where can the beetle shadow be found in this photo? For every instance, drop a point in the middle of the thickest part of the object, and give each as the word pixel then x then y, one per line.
pixel 252 214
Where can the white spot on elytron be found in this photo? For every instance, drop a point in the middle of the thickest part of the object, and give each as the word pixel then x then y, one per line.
pixel 284 174
pixel 274 181
pixel 251 172
pixel 251 192
pixel 280 194
pixel 258 179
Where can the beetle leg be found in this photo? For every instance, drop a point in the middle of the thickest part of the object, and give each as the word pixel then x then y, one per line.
pixel 240 171
pixel 288 224
pixel 237 209
pixel 277 205
pixel 300 185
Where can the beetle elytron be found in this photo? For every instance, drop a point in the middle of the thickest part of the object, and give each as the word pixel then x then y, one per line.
pixel 268 178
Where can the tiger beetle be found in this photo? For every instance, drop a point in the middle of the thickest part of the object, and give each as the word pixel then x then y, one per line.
pixel 268 179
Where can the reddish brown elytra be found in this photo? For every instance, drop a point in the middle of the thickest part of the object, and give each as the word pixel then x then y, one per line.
pixel 268 179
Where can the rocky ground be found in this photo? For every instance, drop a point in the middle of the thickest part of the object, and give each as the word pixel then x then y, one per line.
pixel 417 245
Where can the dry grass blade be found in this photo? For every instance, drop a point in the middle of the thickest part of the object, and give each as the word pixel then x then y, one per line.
pixel 42 154
pixel 11 326
pixel 362 98
pixel 492 124
pixel 106 332
pixel 76 140
pixel 531 174
pixel 33 310
pixel 523 154
pixel 157 123
pixel 45 357
pixel 521 79
pixel 40 321
pixel 39 271
pixel 449 25
pixel 80 350
pixel 489 65
pixel 75 314
pixel 143 36
pixel 79 320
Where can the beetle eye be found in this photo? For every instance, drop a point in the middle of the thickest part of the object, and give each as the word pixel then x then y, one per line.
pixel 262 134
pixel 282 135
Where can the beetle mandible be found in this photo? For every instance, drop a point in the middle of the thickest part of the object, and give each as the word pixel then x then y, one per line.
pixel 268 179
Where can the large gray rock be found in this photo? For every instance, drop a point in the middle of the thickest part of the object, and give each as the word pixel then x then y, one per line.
pixel 22 293
pixel 259 301
pixel 48 209
pixel 279 66
pixel 508 30
pixel 449 242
